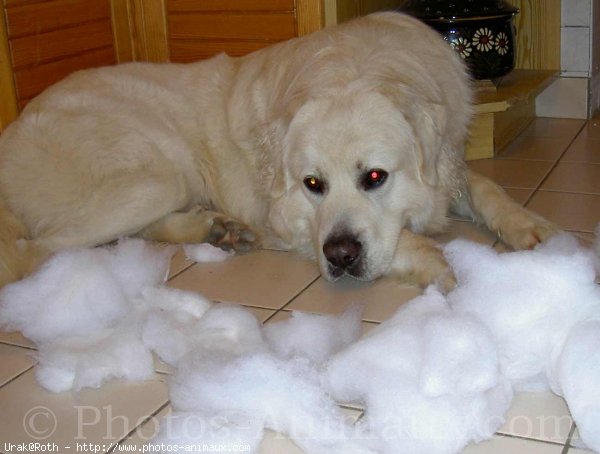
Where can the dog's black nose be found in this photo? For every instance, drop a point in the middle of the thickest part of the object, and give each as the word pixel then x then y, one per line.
pixel 341 252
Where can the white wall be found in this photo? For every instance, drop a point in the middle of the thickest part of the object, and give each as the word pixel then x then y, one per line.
pixel 576 94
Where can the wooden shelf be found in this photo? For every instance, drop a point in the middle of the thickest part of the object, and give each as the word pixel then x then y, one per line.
pixel 503 108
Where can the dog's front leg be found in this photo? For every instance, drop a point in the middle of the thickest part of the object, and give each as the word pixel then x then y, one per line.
pixel 199 225
pixel 515 225
pixel 420 260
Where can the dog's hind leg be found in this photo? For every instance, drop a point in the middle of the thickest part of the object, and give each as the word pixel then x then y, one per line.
pixel 120 206
pixel 199 225
pixel 487 202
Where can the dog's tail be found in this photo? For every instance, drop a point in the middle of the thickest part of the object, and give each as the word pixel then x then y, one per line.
pixel 18 257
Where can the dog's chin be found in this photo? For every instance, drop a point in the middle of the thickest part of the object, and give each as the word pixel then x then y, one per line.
pixel 333 274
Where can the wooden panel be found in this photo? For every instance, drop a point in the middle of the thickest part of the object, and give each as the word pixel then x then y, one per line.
pixel 36 18
pixel 231 26
pixel 370 6
pixel 481 137
pixel 8 95
pixel 45 47
pixel 148 19
pixel 122 30
pixel 33 80
pixel 229 5
pixel 310 15
pixel 509 124
pixel 186 51
pixel 346 10
pixel 538 34
pixel 21 2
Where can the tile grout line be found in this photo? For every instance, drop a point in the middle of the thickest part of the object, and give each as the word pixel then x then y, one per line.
pixel 9 344
pixel 535 440
pixel 569 144
pixel 191 265
pixel 533 191
pixel 292 299
pixel 128 435
pixel 567 192
pixel 363 320
pixel 567 446
pixel 17 376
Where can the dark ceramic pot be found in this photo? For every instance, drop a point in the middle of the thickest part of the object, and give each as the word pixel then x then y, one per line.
pixel 481 31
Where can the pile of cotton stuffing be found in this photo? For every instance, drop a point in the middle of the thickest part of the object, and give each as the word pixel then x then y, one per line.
pixel 438 375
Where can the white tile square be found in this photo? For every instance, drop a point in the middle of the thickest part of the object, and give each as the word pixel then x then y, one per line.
pixel 14 361
pixel 382 297
pixel 99 416
pixel 146 432
pixel 505 445
pixel 575 49
pixel 267 279
pixel 576 13
pixel 566 97
pixel 540 416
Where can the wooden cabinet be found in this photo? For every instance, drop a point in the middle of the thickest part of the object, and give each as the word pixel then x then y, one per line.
pixel 41 41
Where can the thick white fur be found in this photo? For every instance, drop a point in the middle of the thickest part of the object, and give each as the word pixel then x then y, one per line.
pixel 108 152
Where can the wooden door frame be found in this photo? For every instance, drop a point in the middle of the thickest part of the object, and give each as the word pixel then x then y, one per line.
pixel 310 16
pixel 8 93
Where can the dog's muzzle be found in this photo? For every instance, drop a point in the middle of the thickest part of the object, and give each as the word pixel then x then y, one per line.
pixel 343 254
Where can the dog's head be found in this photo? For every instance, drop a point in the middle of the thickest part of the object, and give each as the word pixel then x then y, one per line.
pixel 353 175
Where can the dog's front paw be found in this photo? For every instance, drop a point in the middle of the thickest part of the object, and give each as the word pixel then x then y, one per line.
pixel 420 261
pixel 227 233
pixel 436 270
pixel 525 230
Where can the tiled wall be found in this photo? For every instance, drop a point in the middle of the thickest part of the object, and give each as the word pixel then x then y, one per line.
pixel 575 38
pixel 576 94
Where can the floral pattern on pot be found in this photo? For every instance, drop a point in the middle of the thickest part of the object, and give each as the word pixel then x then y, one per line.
pixel 482 32
pixel 488 49
pixel 483 39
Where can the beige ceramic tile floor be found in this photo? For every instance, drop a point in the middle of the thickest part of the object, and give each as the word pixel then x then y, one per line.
pixel 553 168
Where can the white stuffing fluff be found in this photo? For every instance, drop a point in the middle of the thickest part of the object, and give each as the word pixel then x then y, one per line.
pixel 204 253
pixel 171 322
pixel 530 301
pixel 543 310
pixel 74 293
pixel 232 372
pixel 84 309
pixel 428 379
pixel 79 362
pixel 436 376
pixel 315 337
pixel 286 396
pixel 439 373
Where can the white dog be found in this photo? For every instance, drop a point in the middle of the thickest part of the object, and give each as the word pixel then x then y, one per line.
pixel 345 145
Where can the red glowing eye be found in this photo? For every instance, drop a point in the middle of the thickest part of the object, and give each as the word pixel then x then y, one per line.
pixel 373 179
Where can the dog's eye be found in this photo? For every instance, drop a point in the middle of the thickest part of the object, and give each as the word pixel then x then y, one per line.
pixel 373 179
pixel 314 184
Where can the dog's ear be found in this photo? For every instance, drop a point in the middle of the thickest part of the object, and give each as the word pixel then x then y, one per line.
pixel 273 144
pixel 428 121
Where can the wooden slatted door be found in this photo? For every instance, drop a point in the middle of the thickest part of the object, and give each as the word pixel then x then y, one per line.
pixel 49 39
pixel 198 29
pixel 42 41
